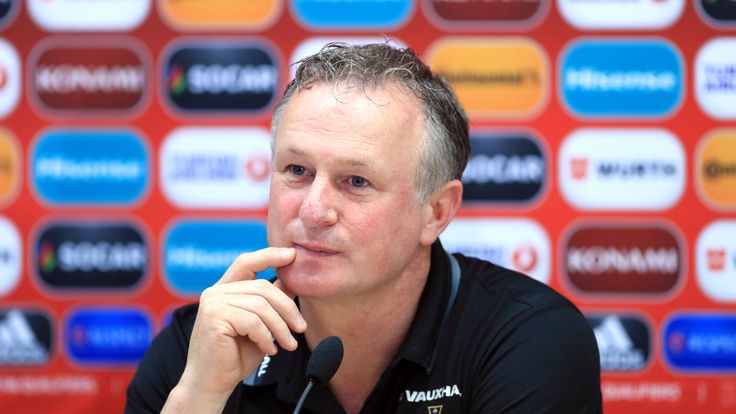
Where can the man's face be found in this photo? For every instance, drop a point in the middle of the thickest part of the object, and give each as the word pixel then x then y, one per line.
pixel 343 190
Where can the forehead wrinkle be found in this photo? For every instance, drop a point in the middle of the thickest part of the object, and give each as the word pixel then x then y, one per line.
pixel 349 161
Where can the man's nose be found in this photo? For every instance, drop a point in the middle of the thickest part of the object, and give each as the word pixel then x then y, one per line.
pixel 318 207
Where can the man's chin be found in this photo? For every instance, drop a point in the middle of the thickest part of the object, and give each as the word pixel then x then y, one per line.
pixel 300 282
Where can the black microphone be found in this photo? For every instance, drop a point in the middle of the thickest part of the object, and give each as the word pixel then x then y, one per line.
pixel 322 365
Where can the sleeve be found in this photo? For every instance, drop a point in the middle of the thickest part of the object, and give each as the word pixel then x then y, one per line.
pixel 161 367
pixel 545 361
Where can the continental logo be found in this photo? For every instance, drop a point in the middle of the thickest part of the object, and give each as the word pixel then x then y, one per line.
pixel 715 78
pixel 621 169
pixel 220 14
pixel 9 166
pixel 89 15
pixel 715 261
pixel 504 168
pixel 10 78
pixel 517 244
pixel 216 76
pixel 352 14
pixel 718 12
pixel 73 76
pixel 621 14
pixel 716 168
pixel 638 260
pixel 82 256
pixel 642 78
pixel 216 167
pixel 197 252
pixel 472 13
pixel 494 77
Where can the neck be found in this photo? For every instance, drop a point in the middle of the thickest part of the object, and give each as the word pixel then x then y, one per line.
pixel 372 327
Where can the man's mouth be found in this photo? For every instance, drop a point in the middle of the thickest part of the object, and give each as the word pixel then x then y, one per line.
pixel 314 249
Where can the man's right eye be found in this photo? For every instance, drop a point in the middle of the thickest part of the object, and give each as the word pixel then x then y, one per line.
pixel 296 169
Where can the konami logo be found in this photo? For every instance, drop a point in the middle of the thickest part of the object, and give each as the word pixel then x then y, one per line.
pixel 622 258
pixel 109 76
pixel 470 14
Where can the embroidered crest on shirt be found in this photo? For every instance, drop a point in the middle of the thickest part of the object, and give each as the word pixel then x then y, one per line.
pixel 435 409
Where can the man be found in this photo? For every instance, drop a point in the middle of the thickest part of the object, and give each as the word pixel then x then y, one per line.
pixel 369 147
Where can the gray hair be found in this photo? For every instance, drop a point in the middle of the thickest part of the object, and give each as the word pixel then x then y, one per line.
pixel 445 147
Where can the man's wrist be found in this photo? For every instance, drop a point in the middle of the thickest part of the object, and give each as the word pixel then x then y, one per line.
pixel 186 398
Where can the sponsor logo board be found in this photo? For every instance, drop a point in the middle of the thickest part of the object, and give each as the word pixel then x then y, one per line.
pixel 10 78
pixel 220 76
pixel 638 260
pixel 715 78
pixel 716 168
pixel 352 14
pixel 512 14
pixel 89 15
pixel 220 14
pixel 701 342
pixel 718 12
pixel 504 167
pixel 98 167
pixel 624 342
pixel 11 254
pixel 107 336
pixel 8 11
pixel 621 78
pixel 621 14
pixel 75 76
pixel 82 256
pixel 621 169
pixel 493 77
pixel 26 337
pixel 196 252
pixel 9 166
pixel 715 261
pixel 216 167
pixel 517 244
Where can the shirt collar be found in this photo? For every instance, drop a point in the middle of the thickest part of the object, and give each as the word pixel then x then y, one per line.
pixel 288 369
pixel 423 336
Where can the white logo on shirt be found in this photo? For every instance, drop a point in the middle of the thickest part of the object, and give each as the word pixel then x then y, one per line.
pixel 431 395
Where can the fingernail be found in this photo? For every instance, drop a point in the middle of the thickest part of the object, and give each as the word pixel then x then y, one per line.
pixel 300 322
pixel 286 252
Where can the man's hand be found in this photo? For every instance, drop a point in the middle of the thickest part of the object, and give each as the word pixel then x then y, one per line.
pixel 238 320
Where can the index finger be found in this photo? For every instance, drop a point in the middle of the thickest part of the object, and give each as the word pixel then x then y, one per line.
pixel 247 265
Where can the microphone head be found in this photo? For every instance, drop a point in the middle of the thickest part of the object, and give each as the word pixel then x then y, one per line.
pixel 325 360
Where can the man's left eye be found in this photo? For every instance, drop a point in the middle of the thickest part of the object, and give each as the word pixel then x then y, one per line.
pixel 356 181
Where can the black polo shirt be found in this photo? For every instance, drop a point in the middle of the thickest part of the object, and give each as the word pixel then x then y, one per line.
pixel 507 344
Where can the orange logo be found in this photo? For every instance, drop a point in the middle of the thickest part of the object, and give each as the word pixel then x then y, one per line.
pixel 494 77
pixel 9 166
pixel 716 168
pixel 218 14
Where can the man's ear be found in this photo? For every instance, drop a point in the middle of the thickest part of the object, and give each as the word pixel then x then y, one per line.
pixel 440 209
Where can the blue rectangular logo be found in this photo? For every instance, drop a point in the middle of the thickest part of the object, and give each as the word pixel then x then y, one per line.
pixel 73 167
pixel 703 342
pixel 621 78
pixel 352 14
pixel 197 253
pixel 107 336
